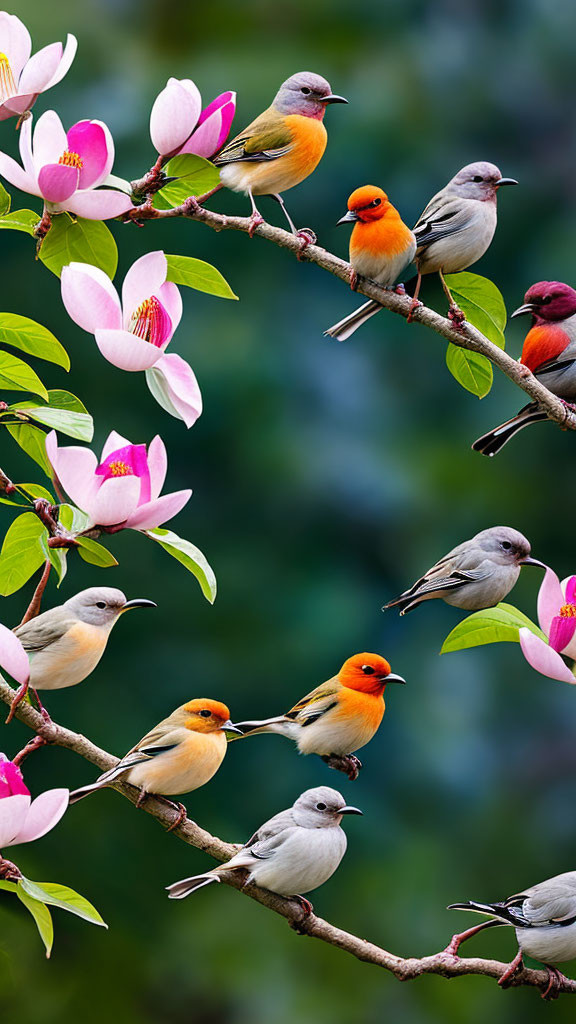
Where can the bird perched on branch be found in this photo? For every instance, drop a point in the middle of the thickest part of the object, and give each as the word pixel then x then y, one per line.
pixel 179 755
pixel 294 852
pixel 381 247
pixel 339 716
pixel 544 917
pixel 282 146
pixel 549 352
pixel 477 574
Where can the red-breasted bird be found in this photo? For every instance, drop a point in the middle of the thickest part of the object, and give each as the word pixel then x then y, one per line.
pixel 282 146
pixel 549 352
pixel 381 247
pixel 339 716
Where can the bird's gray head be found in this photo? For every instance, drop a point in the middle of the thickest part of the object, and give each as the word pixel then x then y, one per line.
pixel 480 181
pixel 101 606
pixel 307 94
pixel 505 546
pixel 321 808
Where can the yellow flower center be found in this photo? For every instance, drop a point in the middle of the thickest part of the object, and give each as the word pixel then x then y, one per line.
pixel 568 611
pixel 119 468
pixel 71 160
pixel 7 84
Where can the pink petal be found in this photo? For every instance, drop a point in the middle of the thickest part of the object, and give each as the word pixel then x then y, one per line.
pixel 13 173
pixel 40 69
pixel 126 351
pixel 562 630
pixel 90 297
pixel 157 465
pixel 569 589
pixel 20 103
pixel 75 467
pixel 13 811
pixel 114 442
pixel 228 112
pixel 204 141
pixel 57 182
pixel 11 779
pixel 550 600
pixel 217 104
pixel 65 61
pixel 174 115
pixel 26 148
pixel 542 658
pixel 15 42
pixel 99 205
pixel 154 513
pixel 145 278
pixel 13 657
pixel 90 141
pixel 178 384
pixel 44 813
pixel 170 297
pixel 50 140
pixel 116 500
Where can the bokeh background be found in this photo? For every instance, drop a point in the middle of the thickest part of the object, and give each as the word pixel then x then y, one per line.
pixel 326 477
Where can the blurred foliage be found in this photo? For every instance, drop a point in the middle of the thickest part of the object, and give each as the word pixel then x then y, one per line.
pixel 326 478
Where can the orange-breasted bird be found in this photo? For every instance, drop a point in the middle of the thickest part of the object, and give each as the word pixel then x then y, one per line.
pixel 179 755
pixel 339 716
pixel 282 146
pixel 381 247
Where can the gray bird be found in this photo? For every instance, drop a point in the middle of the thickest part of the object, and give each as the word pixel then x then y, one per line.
pixel 294 852
pixel 544 917
pixel 477 574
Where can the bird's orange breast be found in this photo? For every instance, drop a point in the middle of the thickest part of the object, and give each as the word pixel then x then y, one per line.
pixel 309 140
pixel 543 343
pixel 365 707
pixel 387 237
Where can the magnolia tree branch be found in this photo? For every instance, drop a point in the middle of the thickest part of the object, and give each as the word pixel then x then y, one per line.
pixel 403 968
pixel 467 337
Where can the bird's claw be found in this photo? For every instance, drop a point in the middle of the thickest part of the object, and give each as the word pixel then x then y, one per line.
pixel 16 700
pixel 306 909
pixel 415 304
pixel 353 280
pixel 555 982
pixel 182 815
pixel 399 289
pixel 512 969
pixel 456 317
pixel 307 237
pixel 347 763
pixel 255 221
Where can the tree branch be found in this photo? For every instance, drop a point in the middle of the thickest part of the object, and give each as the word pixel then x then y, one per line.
pixel 468 337
pixel 405 969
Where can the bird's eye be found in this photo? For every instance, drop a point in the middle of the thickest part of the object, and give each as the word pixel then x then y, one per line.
pixel 205 713
pixel 100 604
pixel 368 670
pixel 506 545
pixel 320 807
pixel 305 90
pixel 545 300
pixel 478 178
pixel 375 202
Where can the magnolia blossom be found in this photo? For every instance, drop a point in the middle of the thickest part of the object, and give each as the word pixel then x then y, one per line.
pixel 123 489
pixel 133 334
pixel 557 618
pixel 13 657
pixel 22 77
pixel 65 168
pixel 22 820
pixel 179 125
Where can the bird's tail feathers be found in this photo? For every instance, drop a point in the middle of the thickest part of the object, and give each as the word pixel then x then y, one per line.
pixel 179 890
pixel 346 327
pixel 492 442
pixel 101 782
pixel 405 603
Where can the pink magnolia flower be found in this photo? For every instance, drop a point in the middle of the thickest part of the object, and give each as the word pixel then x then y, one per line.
pixel 557 618
pixel 65 169
pixel 179 125
pixel 22 77
pixel 123 490
pixel 22 820
pixel 133 334
pixel 13 657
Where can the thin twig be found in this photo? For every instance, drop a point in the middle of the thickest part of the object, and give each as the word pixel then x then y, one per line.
pixel 33 608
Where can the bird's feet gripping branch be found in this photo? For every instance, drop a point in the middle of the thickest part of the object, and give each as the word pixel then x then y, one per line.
pixel 347 763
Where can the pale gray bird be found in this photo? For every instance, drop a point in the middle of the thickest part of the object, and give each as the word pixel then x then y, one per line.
pixel 452 233
pixel 477 574
pixel 544 917
pixel 294 852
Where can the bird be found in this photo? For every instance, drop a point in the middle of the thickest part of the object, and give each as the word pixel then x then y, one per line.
pixel 339 716
pixel 544 917
pixel 179 755
pixel 294 852
pixel 477 574
pixel 282 146
pixel 381 247
pixel 549 351
pixel 65 644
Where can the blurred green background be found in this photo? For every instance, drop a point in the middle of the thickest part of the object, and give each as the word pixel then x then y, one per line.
pixel 326 477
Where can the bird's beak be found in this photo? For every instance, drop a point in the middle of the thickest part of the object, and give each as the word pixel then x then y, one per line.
pixel 505 181
pixel 350 810
pixel 230 727
pixel 139 602
pixel 528 307
pixel 533 561
pixel 393 678
pixel 348 218
pixel 333 99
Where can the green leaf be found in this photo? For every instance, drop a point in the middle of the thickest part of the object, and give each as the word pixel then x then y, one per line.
pixel 25 334
pixel 32 440
pixel 489 626
pixel 190 556
pixel 56 895
pixel 472 370
pixel 195 176
pixel 20 220
pixel 197 274
pixel 94 553
pixel 5 201
pixel 21 553
pixel 41 915
pixel 16 375
pixel 80 240
pixel 38 492
pixel 481 302
pixel 64 412
pixel 73 519
pixel 56 556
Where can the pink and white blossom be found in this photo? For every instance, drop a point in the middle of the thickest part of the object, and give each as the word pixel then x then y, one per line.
pixel 557 618
pixel 123 489
pixel 13 657
pixel 24 77
pixel 178 124
pixel 22 820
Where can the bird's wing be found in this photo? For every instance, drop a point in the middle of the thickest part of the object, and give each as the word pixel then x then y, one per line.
pixel 36 634
pixel 440 578
pixel 316 703
pixel 443 216
pixel 271 829
pixel 267 138
pixel 550 903
pixel 158 741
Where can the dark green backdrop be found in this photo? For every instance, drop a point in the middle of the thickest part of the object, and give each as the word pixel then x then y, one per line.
pixel 325 477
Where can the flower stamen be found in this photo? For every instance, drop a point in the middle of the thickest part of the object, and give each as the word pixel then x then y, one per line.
pixel 119 468
pixel 7 84
pixel 70 159
pixel 568 611
pixel 151 322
